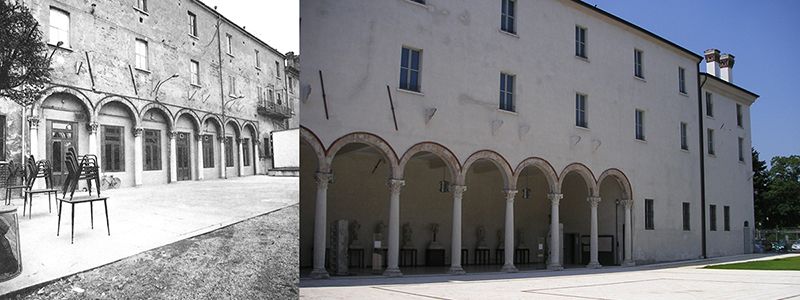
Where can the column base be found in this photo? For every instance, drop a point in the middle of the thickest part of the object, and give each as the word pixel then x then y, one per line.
pixel 594 265
pixel 456 270
pixel 628 263
pixel 509 269
pixel 393 272
pixel 555 267
pixel 320 274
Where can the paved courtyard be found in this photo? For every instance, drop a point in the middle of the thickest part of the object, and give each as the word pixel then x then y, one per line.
pixel 141 219
pixel 668 281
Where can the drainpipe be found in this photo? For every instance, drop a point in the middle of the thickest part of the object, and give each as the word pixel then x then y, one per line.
pixel 221 84
pixel 702 159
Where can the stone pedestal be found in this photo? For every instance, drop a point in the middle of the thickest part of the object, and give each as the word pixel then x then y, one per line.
pixel 339 245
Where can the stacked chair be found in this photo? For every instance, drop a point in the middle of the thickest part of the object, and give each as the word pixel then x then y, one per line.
pixel 33 170
pixel 80 168
pixel 15 180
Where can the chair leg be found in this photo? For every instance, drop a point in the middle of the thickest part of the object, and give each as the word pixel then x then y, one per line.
pixel 49 205
pixel 91 213
pixel 24 206
pixel 105 205
pixel 72 237
pixel 59 218
pixel 30 205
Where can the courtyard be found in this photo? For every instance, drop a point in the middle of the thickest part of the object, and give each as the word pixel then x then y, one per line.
pixel 140 219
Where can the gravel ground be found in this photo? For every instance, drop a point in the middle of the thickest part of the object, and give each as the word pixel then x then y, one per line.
pixel 254 259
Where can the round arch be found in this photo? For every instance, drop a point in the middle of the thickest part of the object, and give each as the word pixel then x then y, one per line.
pixel 253 128
pixel 164 110
pixel 621 180
pixel 542 165
pixel 237 127
pixel 583 172
pixel 215 118
pixel 316 145
pixel 50 91
pixel 368 139
pixel 437 149
pixel 137 122
pixel 192 115
pixel 494 157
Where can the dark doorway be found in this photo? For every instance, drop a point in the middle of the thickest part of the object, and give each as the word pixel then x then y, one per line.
pixel 60 137
pixel 183 151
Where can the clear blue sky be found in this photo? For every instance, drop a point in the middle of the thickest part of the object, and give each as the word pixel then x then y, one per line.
pixel 763 35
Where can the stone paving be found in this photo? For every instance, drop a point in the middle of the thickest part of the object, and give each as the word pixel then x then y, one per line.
pixel 684 280
pixel 141 219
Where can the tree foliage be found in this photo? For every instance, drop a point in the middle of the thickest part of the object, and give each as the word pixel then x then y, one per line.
pixel 24 66
pixel 777 191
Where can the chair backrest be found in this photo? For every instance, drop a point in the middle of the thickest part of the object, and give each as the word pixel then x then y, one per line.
pixel 31 171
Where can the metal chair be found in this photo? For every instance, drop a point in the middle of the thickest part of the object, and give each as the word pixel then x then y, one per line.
pixel 34 170
pixel 15 180
pixel 78 168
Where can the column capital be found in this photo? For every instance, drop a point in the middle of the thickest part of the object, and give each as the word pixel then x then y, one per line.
pixel 510 194
pixel 396 184
pixel 33 122
pixel 93 127
pixel 594 201
pixel 137 131
pixel 458 189
pixel 199 136
pixel 628 203
pixel 239 140
pixel 172 134
pixel 323 179
pixel 221 138
pixel 555 198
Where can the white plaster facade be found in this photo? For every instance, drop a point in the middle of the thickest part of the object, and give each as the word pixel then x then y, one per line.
pixel 353 48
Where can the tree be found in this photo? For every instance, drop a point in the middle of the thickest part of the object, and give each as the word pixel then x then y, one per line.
pixel 760 188
pixel 24 65
pixel 784 191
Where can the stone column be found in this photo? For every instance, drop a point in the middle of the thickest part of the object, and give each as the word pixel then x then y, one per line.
pixel 240 149
pixel 555 232
pixel 394 228
pixel 93 128
pixel 320 221
pixel 256 156
pixel 173 157
pixel 628 259
pixel 455 254
pixel 199 138
pixel 138 160
pixel 33 127
pixel 509 240
pixel 594 263
pixel 223 166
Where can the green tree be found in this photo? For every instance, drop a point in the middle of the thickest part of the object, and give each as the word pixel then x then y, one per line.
pixel 783 194
pixel 760 188
pixel 24 65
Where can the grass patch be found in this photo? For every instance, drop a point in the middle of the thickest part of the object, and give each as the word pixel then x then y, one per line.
pixel 790 263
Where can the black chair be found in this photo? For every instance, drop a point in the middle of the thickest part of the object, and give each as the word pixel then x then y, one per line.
pixel 15 180
pixel 78 168
pixel 41 169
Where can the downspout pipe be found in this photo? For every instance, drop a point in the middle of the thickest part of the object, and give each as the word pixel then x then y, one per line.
pixel 701 129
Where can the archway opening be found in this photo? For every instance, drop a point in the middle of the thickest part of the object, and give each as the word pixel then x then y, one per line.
pixel 155 140
pixel 575 216
pixel 531 219
pixel 211 147
pixel 483 217
pixel 116 141
pixel 186 147
pixel 63 125
pixel 308 193
pixel 611 222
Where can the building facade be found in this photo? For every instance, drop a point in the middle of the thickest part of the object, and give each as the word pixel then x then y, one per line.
pixel 160 91
pixel 452 132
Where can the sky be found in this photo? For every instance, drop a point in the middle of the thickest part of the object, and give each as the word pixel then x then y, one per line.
pixel 764 38
pixel 276 22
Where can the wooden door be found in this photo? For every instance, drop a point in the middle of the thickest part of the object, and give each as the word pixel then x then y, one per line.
pixel 60 137
pixel 183 154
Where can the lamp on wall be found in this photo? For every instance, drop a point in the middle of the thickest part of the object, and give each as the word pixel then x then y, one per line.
pixel 526 192
pixel 444 185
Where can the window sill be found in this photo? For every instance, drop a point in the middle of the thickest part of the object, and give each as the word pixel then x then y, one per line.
pixel 710 117
pixel 193 36
pixel 511 34
pixel 583 128
pixel 143 70
pixel 258 68
pixel 741 162
pixel 195 85
pixel 640 140
pixel 417 3
pixel 60 47
pixel 639 78
pixel 684 94
pixel 582 58
pixel 510 112
pixel 685 150
pixel 152 170
pixel 231 55
pixel 712 155
pixel 141 11
pixel 411 92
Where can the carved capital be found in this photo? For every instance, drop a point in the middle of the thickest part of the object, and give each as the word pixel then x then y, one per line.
pixel 628 203
pixel 458 190
pixel 396 184
pixel 221 139
pixel 172 134
pixel 594 201
pixel 323 179
pixel 93 127
pixel 198 136
pixel 555 198
pixel 138 131
pixel 33 122
pixel 239 140
pixel 510 194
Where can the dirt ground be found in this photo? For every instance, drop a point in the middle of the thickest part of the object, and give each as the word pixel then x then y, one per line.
pixel 254 259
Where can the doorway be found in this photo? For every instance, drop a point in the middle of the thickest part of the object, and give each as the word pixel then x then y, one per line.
pixel 183 151
pixel 60 137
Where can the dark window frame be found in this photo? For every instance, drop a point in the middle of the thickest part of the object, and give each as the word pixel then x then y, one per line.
pixel 507 92
pixel 208 151
pixel 682 80
pixel 152 147
pixel 726 218
pixel 229 152
pixel 581 107
pixel 117 163
pixel 639 125
pixel 246 152
pixel 508 11
pixel 712 217
pixel 192 24
pixel 410 69
pixel 580 41
pixel 739 116
pixel 687 215
pixel 3 144
pixel 649 214
pixel 684 137
pixel 638 63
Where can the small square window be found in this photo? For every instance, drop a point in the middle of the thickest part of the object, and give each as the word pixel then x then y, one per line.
pixel 410 65
pixel 507 92
pixel 59 27
pixel 508 12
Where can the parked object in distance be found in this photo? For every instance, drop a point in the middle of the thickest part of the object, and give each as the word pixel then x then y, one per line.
pixel 779 246
pixel 758 246
pixel 796 246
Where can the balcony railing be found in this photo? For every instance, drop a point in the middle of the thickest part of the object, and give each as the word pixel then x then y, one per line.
pixel 274 110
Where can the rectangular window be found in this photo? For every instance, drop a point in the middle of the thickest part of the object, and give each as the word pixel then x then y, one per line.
pixel 507 15
pixel 232 85
pixel 152 150
pixel 267 147
pixel 580 41
pixel 277 69
pixel 681 80
pixel 580 111
pixel 686 217
pixel 712 217
pixel 229 39
pixel 192 24
pixel 640 125
pixel 684 140
pixel 709 105
pixel 638 68
pixel 506 92
pixel 258 60
pixel 410 69
pixel 2 137
pixel 741 149
pixel 113 149
pixel 739 115
pixel 141 54
pixel 194 69
pixel 59 27
pixel 710 138
pixel 208 151
pixel 142 5
pixel 726 218
pixel 648 214
pixel 246 152
pixel 228 151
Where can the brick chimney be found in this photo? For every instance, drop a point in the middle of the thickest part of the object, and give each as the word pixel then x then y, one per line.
pixel 726 65
pixel 712 62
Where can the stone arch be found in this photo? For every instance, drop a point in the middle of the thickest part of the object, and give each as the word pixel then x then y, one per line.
pixel 253 128
pixel 50 91
pixel 494 157
pixel 620 178
pixel 215 118
pixel 450 160
pixel 316 145
pixel 367 139
pixel 164 110
pixel 237 127
pixel 137 121
pixel 584 172
pixel 192 115
pixel 542 165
